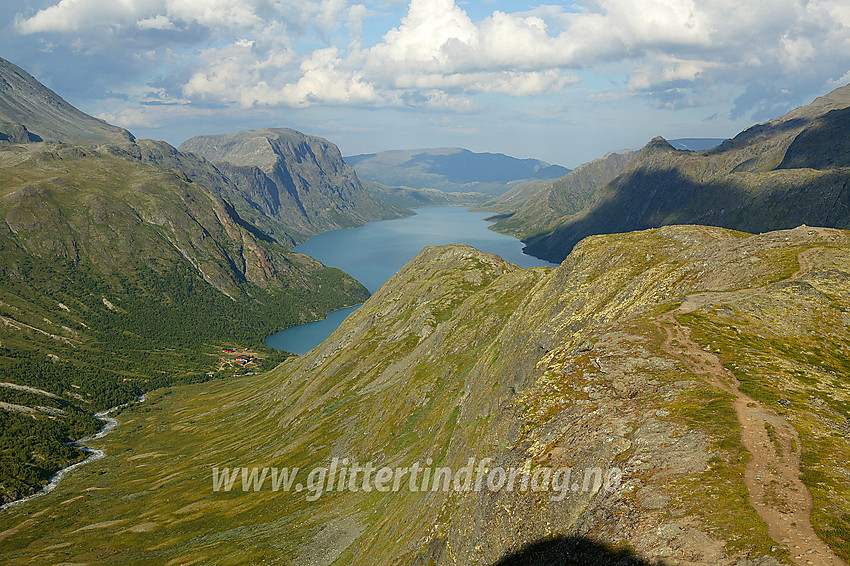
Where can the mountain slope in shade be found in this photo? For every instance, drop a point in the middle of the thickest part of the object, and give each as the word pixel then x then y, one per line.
pixel 533 207
pixel 31 112
pixel 789 171
pixel 647 352
pixel 450 169
pixel 559 199
pixel 299 180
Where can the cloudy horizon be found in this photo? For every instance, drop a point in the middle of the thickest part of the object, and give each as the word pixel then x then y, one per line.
pixel 561 82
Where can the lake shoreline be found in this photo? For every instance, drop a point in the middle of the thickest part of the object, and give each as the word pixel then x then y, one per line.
pixel 374 252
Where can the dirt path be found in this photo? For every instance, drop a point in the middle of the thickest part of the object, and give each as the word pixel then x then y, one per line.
pixel 772 475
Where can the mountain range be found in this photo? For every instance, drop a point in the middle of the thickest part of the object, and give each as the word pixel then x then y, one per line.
pixel 450 169
pixel 128 263
pixel 788 171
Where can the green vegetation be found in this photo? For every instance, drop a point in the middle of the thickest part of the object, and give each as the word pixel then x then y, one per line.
pixel 788 353
pixel 718 496
pixel 35 446
pixel 118 278
pixel 463 355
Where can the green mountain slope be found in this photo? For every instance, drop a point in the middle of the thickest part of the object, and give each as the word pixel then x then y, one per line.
pixel 692 359
pixel 451 169
pixel 128 265
pixel 119 277
pixel 298 180
pixel 30 112
pixel 786 172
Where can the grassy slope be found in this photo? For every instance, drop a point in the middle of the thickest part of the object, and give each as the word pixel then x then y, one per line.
pixel 120 277
pixel 461 355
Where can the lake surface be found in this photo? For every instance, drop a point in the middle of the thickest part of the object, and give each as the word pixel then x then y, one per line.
pixel 375 252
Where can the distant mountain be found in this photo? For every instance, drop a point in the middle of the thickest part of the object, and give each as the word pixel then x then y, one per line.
pixel 696 144
pixel 451 169
pixel 31 112
pixel 405 197
pixel 299 180
pixel 789 171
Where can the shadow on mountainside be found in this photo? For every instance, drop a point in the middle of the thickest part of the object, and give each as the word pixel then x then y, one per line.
pixel 748 202
pixel 573 551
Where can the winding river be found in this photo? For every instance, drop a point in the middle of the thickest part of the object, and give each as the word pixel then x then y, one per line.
pixel 109 424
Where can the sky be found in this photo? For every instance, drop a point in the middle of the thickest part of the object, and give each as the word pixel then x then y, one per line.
pixel 563 82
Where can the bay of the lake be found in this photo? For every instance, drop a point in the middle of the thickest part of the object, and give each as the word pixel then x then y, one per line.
pixel 376 251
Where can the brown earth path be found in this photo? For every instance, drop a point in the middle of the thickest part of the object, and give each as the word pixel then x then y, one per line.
pixel 772 475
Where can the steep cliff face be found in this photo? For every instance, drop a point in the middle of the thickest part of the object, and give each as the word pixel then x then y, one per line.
pixel 297 179
pixel 690 359
pixel 789 171
pixel 31 112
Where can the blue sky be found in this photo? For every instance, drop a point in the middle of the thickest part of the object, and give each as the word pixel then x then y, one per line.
pixel 563 82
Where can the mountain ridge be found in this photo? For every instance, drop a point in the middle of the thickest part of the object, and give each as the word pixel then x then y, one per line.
pixel 30 112
pixel 297 179
pixel 462 354
pixel 450 169
pixel 745 183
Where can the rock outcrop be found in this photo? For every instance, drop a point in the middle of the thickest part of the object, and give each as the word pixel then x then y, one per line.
pixel 297 179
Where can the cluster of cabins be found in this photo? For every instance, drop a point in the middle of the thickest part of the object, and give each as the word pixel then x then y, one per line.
pixel 240 360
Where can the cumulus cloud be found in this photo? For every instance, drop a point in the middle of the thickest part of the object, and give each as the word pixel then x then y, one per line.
pixel 159 22
pixel 70 16
pixel 217 17
pixel 254 52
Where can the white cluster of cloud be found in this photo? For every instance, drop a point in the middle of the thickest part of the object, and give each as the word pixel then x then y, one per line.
pixel 73 16
pixel 301 53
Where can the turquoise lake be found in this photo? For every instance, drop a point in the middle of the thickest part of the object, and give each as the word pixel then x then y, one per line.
pixel 375 252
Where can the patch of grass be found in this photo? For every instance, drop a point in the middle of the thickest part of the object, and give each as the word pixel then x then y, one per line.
pixel 718 495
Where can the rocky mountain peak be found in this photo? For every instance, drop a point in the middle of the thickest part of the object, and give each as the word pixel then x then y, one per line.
pixel 31 112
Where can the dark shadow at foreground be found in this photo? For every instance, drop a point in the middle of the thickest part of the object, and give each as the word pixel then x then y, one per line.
pixel 573 551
